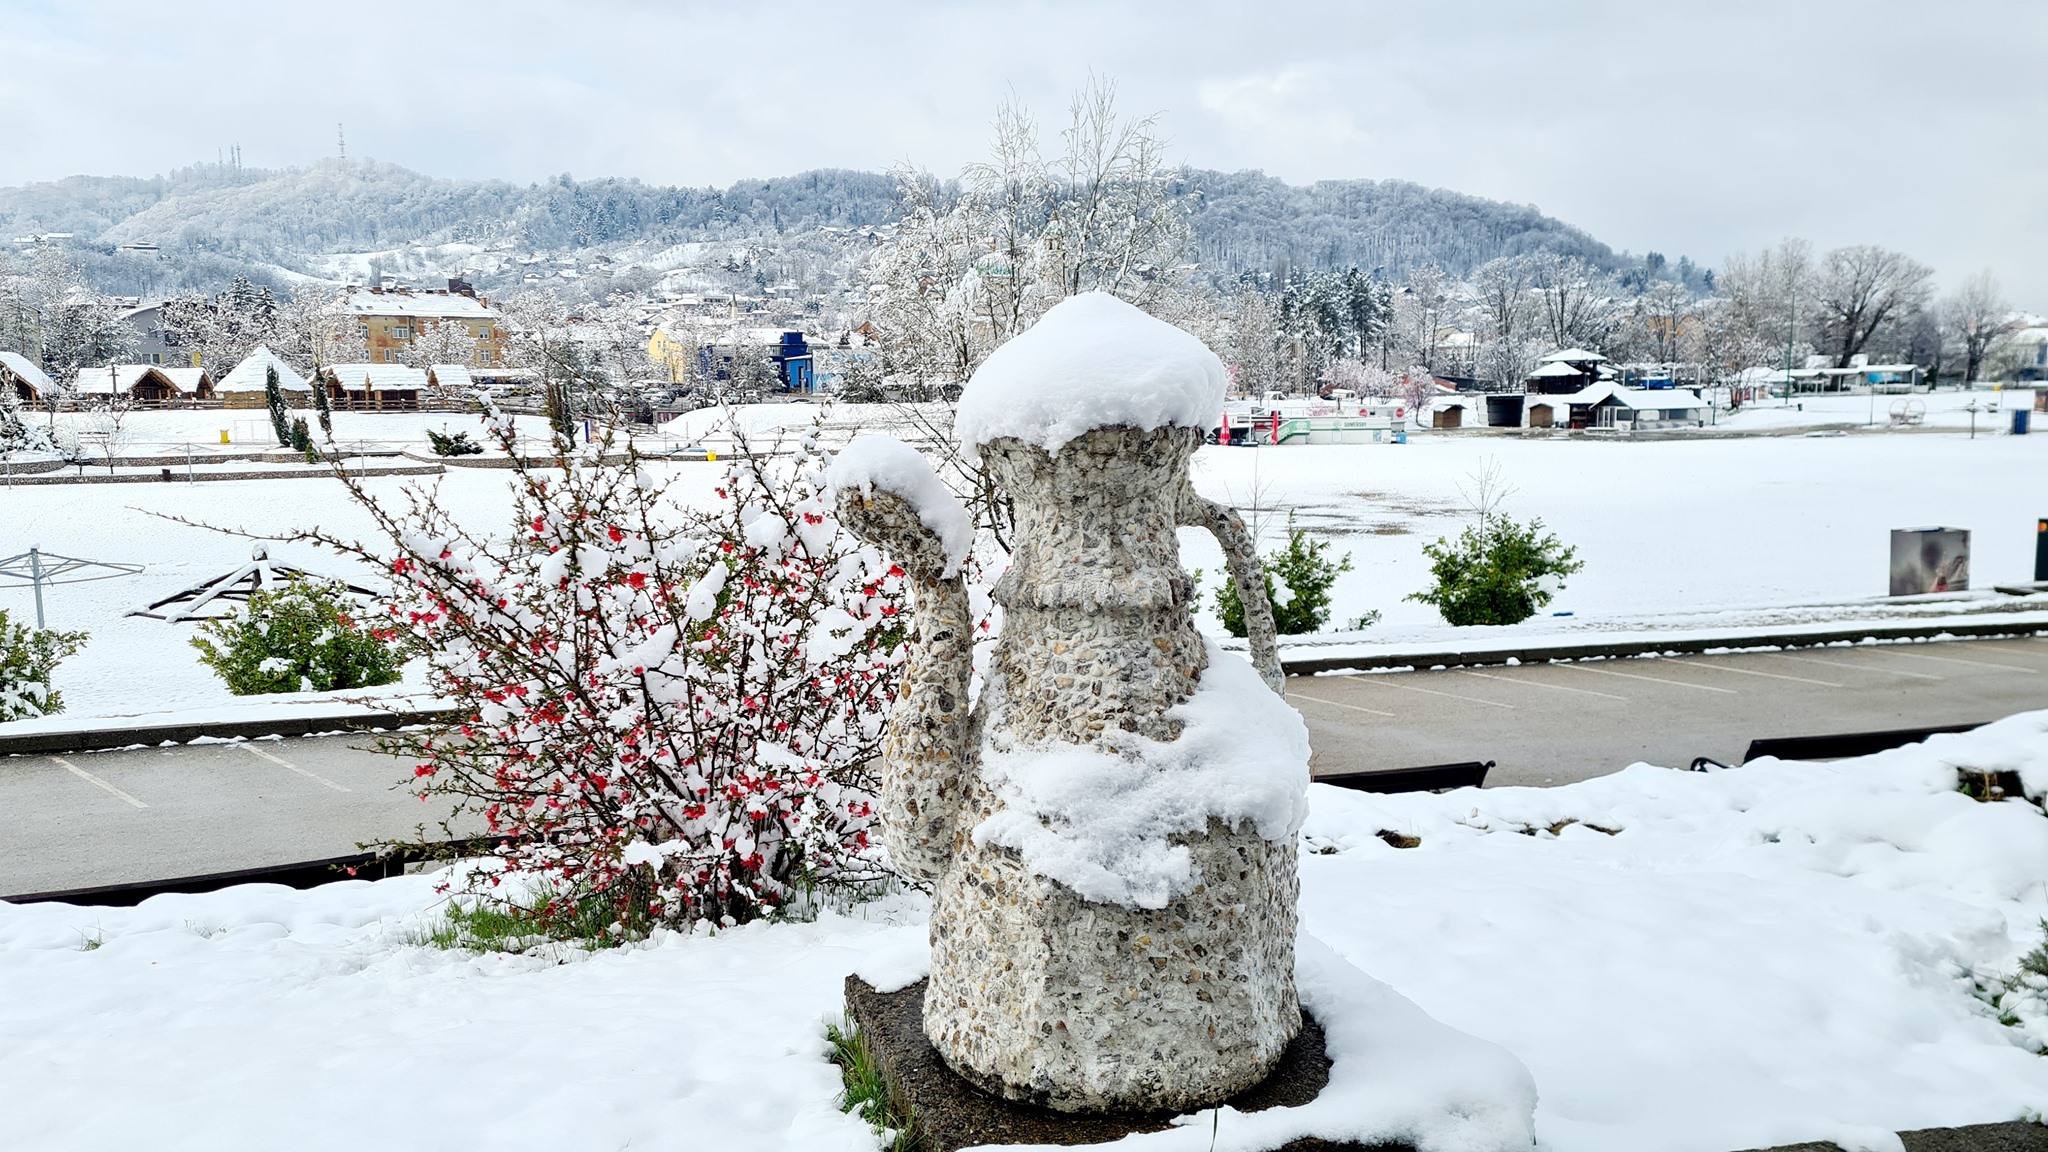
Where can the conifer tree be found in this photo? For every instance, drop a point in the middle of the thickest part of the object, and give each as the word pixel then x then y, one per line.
pixel 273 395
pixel 323 405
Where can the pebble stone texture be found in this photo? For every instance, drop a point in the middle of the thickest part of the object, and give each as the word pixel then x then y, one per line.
pixel 1036 994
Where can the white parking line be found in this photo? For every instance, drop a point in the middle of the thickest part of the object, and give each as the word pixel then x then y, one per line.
pixel 1856 667
pixel 1651 679
pixel 1388 682
pixel 1540 684
pixel 89 778
pixel 1713 667
pixel 1974 663
pixel 251 748
pixel 1341 704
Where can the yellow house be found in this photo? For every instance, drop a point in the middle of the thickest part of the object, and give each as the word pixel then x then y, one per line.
pixel 392 319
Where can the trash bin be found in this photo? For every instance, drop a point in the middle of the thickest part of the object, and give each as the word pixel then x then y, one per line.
pixel 2019 421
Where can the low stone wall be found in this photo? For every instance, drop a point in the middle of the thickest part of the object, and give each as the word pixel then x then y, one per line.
pixel 507 462
pixel 28 467
pixel 178 477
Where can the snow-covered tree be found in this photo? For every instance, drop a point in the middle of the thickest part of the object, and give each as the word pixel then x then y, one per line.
pixel 1979 318
pixel 440 342
pixel 1508 320
pixel 17 435
pixel 1859 292
pixel 1577 302
pixel 314 328
pixel 971 264
pixel 49 315
pixel 1422 307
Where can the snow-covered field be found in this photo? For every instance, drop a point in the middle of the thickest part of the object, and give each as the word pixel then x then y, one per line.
pixel 1943 409
pixel 1665 527
pixel 1685 962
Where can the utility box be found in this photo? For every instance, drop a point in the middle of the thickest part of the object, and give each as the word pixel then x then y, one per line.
pixel 2019 421
pixel 1930 560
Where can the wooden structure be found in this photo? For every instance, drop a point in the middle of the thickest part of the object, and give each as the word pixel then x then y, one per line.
pixel 373 387
pixel 25 377
pixel 145 385
pixel 247 384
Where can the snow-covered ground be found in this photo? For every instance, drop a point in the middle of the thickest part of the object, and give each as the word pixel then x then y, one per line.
pixel 1685 962
pixel 1691 533
pixel 1673 528
pixel 1948 408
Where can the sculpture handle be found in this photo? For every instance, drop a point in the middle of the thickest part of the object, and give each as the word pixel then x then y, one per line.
pixel 1243 559
pixel 927 751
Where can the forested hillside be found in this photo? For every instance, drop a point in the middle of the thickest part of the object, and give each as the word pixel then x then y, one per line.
pixel 213 222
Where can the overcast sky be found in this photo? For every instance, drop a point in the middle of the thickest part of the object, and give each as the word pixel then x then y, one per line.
pixel 1696 129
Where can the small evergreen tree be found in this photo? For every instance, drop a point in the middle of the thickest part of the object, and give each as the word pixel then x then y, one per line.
pixel 301 438
pixel 298 638
pixel 28 659
pixel 1298 582
pixel 323 406
pixel 273 395
pixel 453 444
pixel 1493 572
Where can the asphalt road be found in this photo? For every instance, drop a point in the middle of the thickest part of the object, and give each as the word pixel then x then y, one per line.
pixel 1556 723
pixel 112 817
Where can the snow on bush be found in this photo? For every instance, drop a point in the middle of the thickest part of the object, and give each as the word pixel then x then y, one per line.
pixel 301 637
pixel 28 659
pixel 667 707
pixel 17 435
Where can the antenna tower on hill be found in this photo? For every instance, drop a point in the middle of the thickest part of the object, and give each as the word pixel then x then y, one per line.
pixel 341 140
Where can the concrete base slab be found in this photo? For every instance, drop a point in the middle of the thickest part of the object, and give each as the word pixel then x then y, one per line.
pixel 949 1113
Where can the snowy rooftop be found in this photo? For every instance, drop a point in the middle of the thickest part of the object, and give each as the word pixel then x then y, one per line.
pixel 1652 398
pixel 380 377
pixel 452 376
pixel 444 305
pixel 119 378
pixel 251 375
pixel 1572 356
pixel 1555 368
pixel 1091 362
pixel 26 369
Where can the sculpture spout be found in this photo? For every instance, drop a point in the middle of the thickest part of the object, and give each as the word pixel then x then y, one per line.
pixel 927 752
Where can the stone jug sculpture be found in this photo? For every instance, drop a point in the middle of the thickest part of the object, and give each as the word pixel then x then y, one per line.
pixel 1110 830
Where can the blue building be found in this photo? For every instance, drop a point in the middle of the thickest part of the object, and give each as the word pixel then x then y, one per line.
pixel 786 354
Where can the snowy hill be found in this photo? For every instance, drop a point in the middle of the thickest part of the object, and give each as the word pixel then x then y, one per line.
pixel 211 222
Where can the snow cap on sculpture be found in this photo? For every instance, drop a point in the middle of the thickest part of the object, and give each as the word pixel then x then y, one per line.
pixel 1091 362
pixel 883 462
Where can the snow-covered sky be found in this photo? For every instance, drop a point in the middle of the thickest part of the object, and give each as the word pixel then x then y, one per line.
pixel 1693 129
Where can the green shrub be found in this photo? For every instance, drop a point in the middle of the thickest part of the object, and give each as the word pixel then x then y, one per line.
pixel 456 444
pixel 28 658
pixel 1298 580
pixel 1492 572
pixel 298 638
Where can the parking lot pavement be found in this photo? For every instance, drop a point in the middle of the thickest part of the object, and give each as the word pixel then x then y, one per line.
pixel 1556 723
pixel 113 817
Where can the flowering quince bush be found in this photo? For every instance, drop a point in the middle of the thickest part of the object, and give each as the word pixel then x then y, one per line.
pixel 673 708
